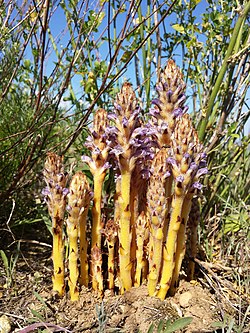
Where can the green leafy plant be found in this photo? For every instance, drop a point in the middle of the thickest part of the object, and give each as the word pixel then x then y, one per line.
pixel 10 267
pixel 170 327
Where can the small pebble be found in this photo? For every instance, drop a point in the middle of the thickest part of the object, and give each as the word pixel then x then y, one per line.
pixel 185 299
pixel 5 326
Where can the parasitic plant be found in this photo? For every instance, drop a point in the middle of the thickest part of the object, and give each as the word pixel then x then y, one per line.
pixel 98 164
pixel 55 196
pixel 125 121
pixel 111 233
pixel 138 235
pixel 187 165
pixel 157 211
pixel 78 202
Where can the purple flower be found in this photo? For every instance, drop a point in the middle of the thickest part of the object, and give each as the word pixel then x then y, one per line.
pixel 156 102
pixel 197 185
pixel 202 171
pixel 178 112
pixel 180 179
pixel 112 116
pixel 118 107
pixel 169 95
pixel 154 112
pixel 46 191
pixel 65 191
pixel 193 166
pixel 171 161
pixel 86 159
pixel 125 122
pixel 159 88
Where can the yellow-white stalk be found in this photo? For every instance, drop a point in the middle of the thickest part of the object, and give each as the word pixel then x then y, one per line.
pixel 96 256
pixel 55 193
pixel 78 202
pixel 193 222
pixel 157 205
pixel 124 230
pixel 181 248
pixel 110 232
pixel 84 266
pixel 170 247
pixel 141 228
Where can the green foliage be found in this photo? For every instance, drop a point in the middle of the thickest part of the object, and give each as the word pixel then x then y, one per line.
pixel 170 327
pixel 10 266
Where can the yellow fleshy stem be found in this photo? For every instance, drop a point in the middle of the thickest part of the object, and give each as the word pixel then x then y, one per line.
pixel 134 216
pixel 96 255
pixel 193 222
pixel 96 210
pixel 96 216
pixel 181 248
pixel 170 248
pixel 124 226
pixel 154 271
pixel 111 261
pixel 84 267
pixel 139 262
pixel 58 253
pixel 141 224
pixel 72 231
pixel 169 183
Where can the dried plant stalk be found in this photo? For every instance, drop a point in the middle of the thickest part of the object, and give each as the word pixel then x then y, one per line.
pixel 55 196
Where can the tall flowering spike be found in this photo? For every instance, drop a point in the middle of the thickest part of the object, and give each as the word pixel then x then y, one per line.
pixel 133 145
pixel 157 209
pixel 170 102
pixel 111 232
pixel 55 196
pixel 187 165
pixel 125 142
pixel 98 163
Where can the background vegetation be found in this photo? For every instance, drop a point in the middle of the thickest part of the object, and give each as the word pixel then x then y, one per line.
pixel 61 60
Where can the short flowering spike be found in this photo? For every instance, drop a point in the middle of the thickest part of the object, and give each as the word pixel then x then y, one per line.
pixel 55 196
pixel 78 201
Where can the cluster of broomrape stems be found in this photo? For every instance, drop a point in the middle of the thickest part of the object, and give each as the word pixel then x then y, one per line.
pixel 138 234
